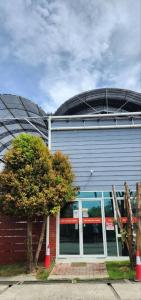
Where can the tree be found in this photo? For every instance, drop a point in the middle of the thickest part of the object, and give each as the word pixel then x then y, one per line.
pixel 34 183
pixel 126 230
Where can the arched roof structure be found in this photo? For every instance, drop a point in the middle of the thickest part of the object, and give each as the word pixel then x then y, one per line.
pixel 105 100
pixel 17 115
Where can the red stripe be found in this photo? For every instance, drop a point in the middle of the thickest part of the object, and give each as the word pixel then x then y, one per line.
pixel 93 220
pixel 69 221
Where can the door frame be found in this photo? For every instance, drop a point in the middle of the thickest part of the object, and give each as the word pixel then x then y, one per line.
pixel 80 200
pixel 81 228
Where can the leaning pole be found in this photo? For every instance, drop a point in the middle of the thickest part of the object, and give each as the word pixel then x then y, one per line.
pixel 138 234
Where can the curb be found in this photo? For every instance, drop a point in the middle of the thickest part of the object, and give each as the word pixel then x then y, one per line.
pixel 8 282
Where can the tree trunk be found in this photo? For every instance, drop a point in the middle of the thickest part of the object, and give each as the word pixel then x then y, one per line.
pixel 30 266
pixel 40 241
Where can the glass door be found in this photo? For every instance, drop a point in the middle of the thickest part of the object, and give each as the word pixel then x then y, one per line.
pixel 92 228
pixel 81 230
pixel 69 229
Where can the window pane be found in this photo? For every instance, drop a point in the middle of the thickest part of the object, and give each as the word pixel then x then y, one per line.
pixel 107 194
pixel 89 195
pixel 120 194
pixel 121 208
pixel 109 210
pixel 93 239
pixel 68 210
pixel 69 239
pixel 92 233
pixel 111 242
pixel 93 208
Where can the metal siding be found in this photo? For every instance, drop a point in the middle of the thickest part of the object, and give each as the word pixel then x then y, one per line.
pixel 113 154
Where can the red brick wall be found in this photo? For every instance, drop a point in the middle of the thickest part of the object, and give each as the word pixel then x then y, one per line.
pixel 52 237
pixel 13 239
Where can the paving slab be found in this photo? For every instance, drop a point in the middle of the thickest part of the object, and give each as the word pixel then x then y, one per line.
pixel 84 271
pixel 2 288
pixel 22 277
pixel 128 291
pixel 59 291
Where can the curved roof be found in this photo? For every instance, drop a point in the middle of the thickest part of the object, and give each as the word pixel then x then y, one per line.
pixel 11 107
pixel 100 101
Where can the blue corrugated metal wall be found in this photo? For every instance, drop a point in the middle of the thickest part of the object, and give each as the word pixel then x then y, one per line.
pixel 113 154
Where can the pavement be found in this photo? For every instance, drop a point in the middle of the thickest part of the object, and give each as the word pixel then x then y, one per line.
pixel 79 270
pixel 19 278
pixel 71 291
pixel 63 284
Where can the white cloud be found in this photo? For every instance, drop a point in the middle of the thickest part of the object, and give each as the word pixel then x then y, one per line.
pixel 76 45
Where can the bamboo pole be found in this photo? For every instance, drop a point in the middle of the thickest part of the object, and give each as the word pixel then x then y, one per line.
pixel 138 204
pixel 129 226
pixel 119 220
pixel 118 214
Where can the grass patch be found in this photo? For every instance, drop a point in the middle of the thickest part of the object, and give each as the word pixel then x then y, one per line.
pixel 18 269
pixel 120 270
pixel 12 270
pixel 43 273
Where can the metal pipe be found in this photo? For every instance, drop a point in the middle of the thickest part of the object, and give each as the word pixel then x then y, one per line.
pixel 47 233
pixel 49 132
pixel 86 116
pixel 128 114
pixel 37 129
pixel 95 127
pixel 48 218
pixel 23 118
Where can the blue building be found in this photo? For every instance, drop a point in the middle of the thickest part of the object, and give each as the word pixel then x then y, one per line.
pixel 100 130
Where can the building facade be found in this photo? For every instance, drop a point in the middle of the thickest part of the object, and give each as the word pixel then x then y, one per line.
pixel 100 131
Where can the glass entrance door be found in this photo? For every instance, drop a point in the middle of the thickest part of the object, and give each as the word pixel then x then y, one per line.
pixel 69 229
pixel 81 228
pixel 92 228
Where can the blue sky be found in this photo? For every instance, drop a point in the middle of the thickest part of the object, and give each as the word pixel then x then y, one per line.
pixel 51 50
